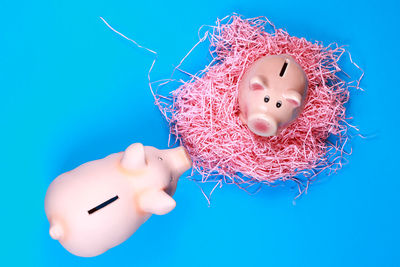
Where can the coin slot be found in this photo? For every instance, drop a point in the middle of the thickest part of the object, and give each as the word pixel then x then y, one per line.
pixel 102 205
pixel 284 67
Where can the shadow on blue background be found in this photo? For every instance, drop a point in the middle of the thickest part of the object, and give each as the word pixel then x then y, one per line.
pixel 73 91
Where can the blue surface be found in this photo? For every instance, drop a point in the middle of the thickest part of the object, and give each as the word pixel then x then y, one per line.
pixel 72 91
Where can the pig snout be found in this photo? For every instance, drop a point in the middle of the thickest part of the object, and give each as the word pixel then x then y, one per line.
pixel 180 160
pixel 262 125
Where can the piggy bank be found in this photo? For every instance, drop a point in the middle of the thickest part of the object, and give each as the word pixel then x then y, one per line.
pixel 272 93
pixel 102 203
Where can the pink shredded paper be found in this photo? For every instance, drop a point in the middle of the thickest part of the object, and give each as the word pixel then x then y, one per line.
pixel 203 111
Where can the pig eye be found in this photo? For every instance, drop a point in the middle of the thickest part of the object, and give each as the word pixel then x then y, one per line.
pixel 279 104
pixel 160 158
pixel 266 99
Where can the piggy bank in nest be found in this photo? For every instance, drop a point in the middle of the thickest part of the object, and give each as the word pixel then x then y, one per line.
pixel 272 93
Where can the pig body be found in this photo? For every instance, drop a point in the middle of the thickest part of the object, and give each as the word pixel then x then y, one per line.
pixel 102 203
pixel 272 93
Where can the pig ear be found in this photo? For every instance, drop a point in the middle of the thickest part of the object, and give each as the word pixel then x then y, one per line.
pixel 156 202
pixel 256 83
pixel 292 97
pixel 134 157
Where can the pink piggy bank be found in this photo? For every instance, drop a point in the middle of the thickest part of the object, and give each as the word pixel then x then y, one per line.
pixel 272 94
pixel 102 203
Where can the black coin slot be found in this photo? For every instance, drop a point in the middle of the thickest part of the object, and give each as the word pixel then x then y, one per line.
pixel 102 205
pixel 284 67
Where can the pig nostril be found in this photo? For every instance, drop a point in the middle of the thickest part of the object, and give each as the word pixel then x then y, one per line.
pixel 261 126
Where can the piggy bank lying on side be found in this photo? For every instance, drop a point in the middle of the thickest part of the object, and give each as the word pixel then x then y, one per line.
pixel 102 203
pixel 272 93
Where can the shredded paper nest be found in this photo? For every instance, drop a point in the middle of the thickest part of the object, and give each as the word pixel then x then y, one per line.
pixel 203 111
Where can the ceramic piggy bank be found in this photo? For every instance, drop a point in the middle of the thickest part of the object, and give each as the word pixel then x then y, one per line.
pixel 102 203
pixel 272 93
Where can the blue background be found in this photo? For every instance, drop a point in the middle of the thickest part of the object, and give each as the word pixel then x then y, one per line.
pixel 73 91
